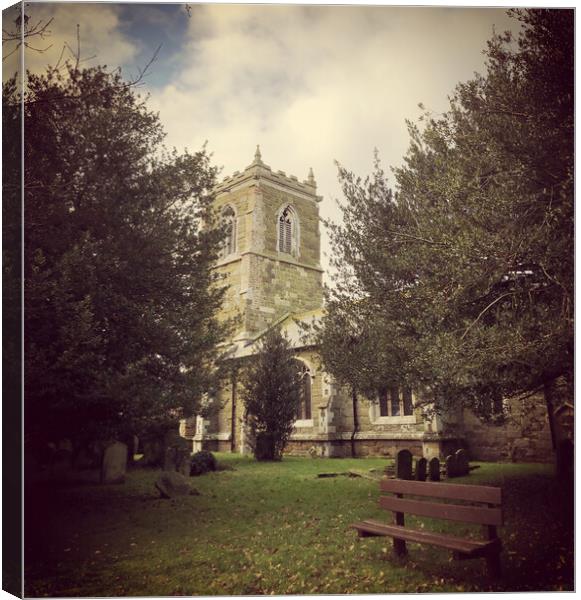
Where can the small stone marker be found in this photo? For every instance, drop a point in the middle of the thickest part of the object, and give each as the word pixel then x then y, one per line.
pixel 434 469
pixel 85 459
pixel 462 466
pixel 403 465
pixel 114 463
pixel 177 459
pixel 153 452
pixel 450 466
pixel 171 484
pixel 421 465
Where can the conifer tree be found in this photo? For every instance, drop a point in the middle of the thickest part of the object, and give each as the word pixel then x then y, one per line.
pixel 468 268
pixel 272 385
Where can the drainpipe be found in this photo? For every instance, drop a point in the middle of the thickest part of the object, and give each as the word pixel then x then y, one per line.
pixel 355 421
pixel 233 382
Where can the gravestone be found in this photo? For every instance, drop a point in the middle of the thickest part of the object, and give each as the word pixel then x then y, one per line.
pixel 114 463
pixel 171 484
pixel 403 465
pixel 177 452
pixel 421 465
pixel 450 466
pixel 61 460
pixel 462 466
pixel 177 459
pixel 434 469
pixel 85 458
pixel 153 454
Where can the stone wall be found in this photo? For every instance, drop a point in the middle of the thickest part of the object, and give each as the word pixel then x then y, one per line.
pixel 307 210
pixel 278 286
pixel 263 283
pixel 341 448
pixel 525 437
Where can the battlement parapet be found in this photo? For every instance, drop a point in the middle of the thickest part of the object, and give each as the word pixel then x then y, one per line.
pixel 259 170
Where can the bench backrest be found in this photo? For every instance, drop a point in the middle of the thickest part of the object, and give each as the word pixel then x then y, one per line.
pixel 491 497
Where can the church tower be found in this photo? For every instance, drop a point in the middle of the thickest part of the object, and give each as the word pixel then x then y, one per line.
pixel 271 259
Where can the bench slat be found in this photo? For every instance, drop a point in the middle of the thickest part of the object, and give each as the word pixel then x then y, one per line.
pixel 451 512
pixel 451 491
pixel 462 545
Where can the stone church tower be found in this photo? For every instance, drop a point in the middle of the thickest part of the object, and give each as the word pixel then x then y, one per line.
pixel 271 260
pixel 270 264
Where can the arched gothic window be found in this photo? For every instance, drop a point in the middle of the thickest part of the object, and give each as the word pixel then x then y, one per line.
pixel 304 412
pixel 229 219
pixel 288 230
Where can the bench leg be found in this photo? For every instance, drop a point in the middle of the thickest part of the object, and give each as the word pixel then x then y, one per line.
pixel 493 565
pixel 399 547
pixel 493 558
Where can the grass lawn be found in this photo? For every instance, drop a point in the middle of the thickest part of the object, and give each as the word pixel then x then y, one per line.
pixel 275 528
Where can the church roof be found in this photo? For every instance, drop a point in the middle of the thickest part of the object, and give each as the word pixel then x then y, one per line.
pixel 289 324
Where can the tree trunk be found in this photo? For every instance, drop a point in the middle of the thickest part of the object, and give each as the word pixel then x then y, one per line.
pixel 355 422
pixel 549 389
pixel 265 448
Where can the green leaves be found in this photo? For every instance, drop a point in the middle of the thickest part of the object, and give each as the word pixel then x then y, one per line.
pixel 120 299
pixel 461 281
pixel 272 385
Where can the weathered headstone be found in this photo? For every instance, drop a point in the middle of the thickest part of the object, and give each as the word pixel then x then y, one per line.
pixel 434 469
pixel 421 465
pixel 462 466
pixel 177 452
pixel 61 458
pixel 177 459
pixel 451 466
pixel 403 465
pixel 114 464
pixel 85 458
pixel 171 484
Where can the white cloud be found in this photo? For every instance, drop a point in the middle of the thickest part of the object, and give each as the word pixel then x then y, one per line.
pixel 310 84
pixel 316 84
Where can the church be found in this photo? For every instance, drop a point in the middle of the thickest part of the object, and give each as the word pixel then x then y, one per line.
pixel 270 264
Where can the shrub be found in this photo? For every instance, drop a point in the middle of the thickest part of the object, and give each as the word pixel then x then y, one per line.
pixel 202 462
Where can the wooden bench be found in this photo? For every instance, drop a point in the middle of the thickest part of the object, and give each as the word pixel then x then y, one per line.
pixel 484 509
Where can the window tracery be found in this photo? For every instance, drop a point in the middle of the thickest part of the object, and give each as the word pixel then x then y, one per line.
pixel 288 231
pixel 229 220
pixel 304 410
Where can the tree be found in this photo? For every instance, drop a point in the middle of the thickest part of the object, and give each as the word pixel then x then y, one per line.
pixel 491 183
pixel 365 279
pixel 120 328
pixel 470 263
pixel 272 385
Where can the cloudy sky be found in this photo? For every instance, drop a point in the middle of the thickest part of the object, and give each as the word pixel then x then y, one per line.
pixel 310 84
